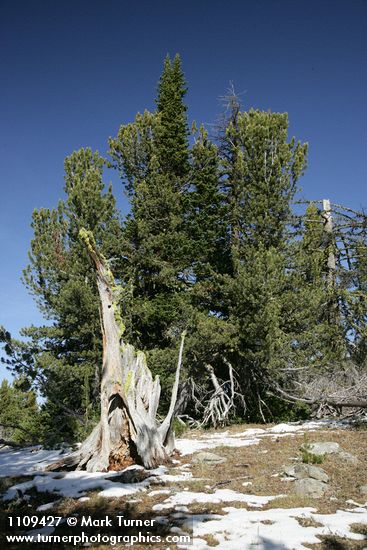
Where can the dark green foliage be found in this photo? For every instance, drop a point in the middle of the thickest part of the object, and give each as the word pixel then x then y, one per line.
pixel 207 211
pixel 152 156
pixel 317 329
pixel 354 298
pixel 19 413
pixel 310 458
pixel 261 170
pixel 172 132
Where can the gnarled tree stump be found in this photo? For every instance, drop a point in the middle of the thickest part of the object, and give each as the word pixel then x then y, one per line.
pixel 128 430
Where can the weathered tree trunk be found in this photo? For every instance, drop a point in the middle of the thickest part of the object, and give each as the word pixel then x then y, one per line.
pixel 328 229
pixel 128 430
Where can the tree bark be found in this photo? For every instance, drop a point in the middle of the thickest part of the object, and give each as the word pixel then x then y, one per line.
pixel 328 229
pixel 128 430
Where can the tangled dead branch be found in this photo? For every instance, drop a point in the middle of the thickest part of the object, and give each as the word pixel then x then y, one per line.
pixel 214 406
pixel 330 392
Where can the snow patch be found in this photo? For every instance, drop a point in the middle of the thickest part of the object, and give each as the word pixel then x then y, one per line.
pixel 221 495
pixel 276 528
pixel 26 461
pixel 190 446
pixel 76 484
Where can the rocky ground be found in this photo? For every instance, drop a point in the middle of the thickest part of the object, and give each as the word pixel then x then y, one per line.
pixel 289 486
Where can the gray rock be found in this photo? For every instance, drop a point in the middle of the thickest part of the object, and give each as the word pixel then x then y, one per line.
pixel 290 471
pixel 303 471
pixel 348 457
pixel 363 490
pixel 309 488
pixel 208 458
pixel 322 448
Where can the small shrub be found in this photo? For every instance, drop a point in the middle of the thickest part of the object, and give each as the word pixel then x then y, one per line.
pixel 310 458
pixel 179 427
pixel 360 424
pixel 307 456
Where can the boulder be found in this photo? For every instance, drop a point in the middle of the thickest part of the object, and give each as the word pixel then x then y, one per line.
pixel 303 471
pixel 363 490
pixel 322 448
pixel 348 457
pixel 208 458
pixel 309 488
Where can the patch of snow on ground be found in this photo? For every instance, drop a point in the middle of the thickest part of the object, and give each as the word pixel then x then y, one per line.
pixel 26 461
pixel 252 436
pixel 221 495
pixel 47 506
pixel 76 484
pixel 246 529
pixel 285 428
pixel 163 477
pixel 190 446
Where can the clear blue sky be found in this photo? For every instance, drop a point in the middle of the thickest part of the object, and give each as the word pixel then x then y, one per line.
pixel 73 70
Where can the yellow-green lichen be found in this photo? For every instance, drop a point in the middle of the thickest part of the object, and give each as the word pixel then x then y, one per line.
pixel 88 239
pixel 128 382
pixel 118 319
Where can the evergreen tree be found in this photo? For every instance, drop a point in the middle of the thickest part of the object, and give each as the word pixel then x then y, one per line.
pixel 152 157
pixel 212 336
pixel 154 176
pixel 207 224
pixel 357 303
pixel 19 413
pixel 317 337
pixel 172 132
pixel 63 358
pixel 261 170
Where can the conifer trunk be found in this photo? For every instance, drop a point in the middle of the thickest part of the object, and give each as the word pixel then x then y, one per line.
pixel 328 229
pixel 128 431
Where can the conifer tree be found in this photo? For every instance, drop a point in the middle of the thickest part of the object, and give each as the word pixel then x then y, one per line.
pixel 19 413
pixel 62 358
pixel 317 337
pixel 152 156
pixel 261 170
pixel 357 302
pixel 207 232
pixel 207 224
pixel 172 132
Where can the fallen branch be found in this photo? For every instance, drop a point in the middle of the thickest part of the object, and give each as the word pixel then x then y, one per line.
pixel 351 403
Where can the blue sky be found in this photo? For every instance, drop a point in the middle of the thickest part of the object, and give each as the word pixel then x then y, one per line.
pixel 73 71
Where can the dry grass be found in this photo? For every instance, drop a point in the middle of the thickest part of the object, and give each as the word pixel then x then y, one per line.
pixel 360 528
pixel 260 464
pixel 308 522
pixel 253 464
pixel 337 543
pixel 210 540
